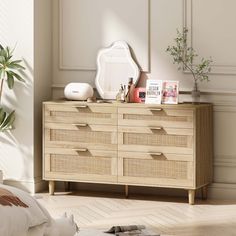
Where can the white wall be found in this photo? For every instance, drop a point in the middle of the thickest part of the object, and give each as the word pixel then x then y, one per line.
pixel 16 148
pixel 212 29
pixel 26 24
pixel 211 24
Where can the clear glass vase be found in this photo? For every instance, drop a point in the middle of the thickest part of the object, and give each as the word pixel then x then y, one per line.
pixel 196 94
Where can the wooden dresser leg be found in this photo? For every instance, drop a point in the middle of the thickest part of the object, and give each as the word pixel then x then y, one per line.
pixel 191 196
pixel 51 186
pixel 126 191
pixel 204 192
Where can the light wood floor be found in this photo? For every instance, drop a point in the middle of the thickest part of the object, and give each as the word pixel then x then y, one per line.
pixel 169 216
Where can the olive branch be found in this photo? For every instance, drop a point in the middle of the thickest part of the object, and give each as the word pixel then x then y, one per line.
pixel 184 56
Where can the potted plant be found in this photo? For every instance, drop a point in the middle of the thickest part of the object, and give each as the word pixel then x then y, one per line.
pixel 9 71
pixel 184 56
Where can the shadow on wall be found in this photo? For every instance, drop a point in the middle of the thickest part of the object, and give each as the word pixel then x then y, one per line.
pixel 142 80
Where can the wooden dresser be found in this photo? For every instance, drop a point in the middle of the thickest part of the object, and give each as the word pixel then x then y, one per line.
pixel 130 144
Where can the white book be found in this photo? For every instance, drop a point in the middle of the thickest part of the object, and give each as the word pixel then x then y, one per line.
pixel 153 91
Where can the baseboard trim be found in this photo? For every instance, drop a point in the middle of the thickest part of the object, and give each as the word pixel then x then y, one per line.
pixel 40 186
pixel 31 186
pixel 222 191
pixel 28 186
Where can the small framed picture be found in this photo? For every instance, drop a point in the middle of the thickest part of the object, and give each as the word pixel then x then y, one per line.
pixel 170 92
pixel 153 91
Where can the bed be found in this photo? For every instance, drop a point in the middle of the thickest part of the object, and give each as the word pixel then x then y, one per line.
pixel 22 215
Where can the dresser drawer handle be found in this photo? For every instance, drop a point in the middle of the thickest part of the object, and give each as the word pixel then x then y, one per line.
pixel 81 150
pixel 156 128
pixel 81 125
pixel 156 109
pixel 81 106
pixel 156 154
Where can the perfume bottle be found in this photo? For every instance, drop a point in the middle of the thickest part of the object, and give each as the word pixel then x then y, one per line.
pixel 120 97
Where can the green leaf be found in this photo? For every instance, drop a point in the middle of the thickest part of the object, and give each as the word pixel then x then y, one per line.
pixel 7 124
pixel 2 73
pixel 2 115
pixel 2 59
pixel 9 55
pixel 3 53
pixel 10 80
pixel 17 62
pixel 17 76
pixel 16 66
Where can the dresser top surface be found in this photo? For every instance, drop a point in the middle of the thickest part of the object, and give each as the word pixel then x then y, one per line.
pixel 132 105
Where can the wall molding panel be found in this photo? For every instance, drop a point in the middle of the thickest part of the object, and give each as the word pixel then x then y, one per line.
pixel 188 21
pixel 80 37
pixel 225 161
pixel 212 32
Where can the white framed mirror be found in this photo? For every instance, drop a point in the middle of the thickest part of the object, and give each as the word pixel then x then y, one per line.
pixel 115 66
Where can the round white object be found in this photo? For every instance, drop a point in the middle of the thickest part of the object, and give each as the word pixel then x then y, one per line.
pixel 78 91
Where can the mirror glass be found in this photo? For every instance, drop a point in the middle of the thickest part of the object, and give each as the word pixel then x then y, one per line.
pixel 115 66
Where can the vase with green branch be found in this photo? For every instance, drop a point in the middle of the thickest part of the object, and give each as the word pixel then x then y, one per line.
pixel 9 71
pixel 184 57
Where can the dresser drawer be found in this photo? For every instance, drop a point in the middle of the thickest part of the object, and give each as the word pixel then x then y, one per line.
pixel 176 118
pixel 155 139
pixel 155 170
pixel 71 164
pixel 102 137
pixel 82 113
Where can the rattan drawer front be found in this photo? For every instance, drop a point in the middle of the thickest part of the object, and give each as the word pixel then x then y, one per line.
pixel 77 136
pixel 81 114
pixel 155 169
pixel 81 166
pixel 175 118
pixel 156 139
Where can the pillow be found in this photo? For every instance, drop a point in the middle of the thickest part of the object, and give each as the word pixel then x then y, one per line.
pixel 19 211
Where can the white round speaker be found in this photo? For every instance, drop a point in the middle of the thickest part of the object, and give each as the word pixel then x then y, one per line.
pixel 78 91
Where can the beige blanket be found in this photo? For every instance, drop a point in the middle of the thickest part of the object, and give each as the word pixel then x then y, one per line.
pixel 9 199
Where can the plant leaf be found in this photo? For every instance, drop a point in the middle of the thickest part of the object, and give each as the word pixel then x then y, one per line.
pixel 17 76
pixel 10 80
pixel 2 115
pixel 2 73
pixel 16 65
pixel 7 124
pixel 2 59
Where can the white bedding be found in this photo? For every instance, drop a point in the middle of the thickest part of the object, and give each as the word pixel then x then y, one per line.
pixel 22 215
